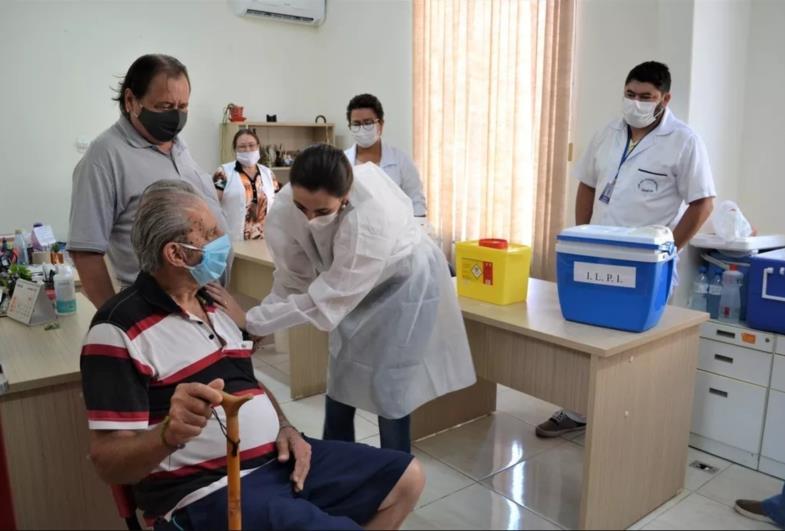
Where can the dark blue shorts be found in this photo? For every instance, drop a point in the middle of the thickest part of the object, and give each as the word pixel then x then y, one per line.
pixel 345 486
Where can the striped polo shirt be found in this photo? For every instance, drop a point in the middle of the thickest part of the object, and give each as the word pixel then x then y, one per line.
pixel 140 346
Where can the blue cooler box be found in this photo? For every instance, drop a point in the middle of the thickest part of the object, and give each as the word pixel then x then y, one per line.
pixel 615 277
pixel 766 292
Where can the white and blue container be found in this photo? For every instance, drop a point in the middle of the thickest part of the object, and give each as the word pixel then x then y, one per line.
pixel 766 292
pixel 615 277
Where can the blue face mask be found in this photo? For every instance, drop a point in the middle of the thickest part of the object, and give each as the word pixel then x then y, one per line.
pixel 214 259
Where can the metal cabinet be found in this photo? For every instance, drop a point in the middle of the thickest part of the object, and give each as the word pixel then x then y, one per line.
pixel 739 406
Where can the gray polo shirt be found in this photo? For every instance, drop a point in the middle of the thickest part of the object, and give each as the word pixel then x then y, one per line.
pixel 108 183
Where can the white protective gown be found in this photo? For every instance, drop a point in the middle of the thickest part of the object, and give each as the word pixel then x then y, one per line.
pixel 380 286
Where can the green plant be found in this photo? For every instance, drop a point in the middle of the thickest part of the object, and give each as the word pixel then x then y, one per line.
pixel 20 271
pixel 15 272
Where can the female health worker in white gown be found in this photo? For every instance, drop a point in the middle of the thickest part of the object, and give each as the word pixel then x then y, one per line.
pixel 351 259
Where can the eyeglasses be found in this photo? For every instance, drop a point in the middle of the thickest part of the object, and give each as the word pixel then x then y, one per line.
pixel 191 247
pixel 354 127
pixel 247 147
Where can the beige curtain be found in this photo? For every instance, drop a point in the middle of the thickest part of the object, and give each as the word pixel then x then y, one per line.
pixel 491 118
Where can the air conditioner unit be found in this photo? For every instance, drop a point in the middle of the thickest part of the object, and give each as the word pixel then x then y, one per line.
pixel 309 12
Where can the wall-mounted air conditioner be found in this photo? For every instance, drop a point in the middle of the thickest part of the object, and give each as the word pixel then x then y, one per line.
pixel 309 12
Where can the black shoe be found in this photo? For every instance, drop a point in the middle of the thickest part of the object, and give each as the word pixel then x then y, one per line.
pixel 559 424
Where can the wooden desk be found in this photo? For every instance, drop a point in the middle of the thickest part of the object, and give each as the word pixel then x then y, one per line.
pixel 52 484
pixel 636 389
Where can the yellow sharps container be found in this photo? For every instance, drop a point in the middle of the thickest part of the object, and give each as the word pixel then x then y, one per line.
pixel 493 270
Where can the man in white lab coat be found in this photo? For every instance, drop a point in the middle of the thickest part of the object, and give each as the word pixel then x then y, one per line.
pixel 648 168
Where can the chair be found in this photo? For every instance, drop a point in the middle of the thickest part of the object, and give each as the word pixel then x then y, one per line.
pixel 126 505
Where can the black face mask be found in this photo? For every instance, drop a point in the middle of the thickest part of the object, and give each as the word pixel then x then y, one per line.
pixel 163 126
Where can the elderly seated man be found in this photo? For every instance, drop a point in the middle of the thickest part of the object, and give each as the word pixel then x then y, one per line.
pixel 153 364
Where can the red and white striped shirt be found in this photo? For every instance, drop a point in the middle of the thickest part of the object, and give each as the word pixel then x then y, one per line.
pixel 140 346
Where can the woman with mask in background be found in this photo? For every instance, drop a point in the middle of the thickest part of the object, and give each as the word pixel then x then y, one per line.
pixel 351 259
pixel 366 124
pixel 246 188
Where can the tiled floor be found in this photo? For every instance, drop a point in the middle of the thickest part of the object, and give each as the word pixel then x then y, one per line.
pixel 494 473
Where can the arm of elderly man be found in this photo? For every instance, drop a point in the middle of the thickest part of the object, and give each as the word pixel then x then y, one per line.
pixel 126 457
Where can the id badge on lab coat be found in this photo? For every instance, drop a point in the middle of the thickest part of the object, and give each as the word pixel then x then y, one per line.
pixel 607 192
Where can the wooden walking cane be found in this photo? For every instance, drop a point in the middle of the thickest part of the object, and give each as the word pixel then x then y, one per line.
pixel 231 405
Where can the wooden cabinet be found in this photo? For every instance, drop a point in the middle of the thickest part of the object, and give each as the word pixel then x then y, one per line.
pixel 291 136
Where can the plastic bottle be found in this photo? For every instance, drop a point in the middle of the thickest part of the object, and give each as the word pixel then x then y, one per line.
pixel 730 300
pixel 33 240
pixel 700 290
pixel 713 297
pixel 65 290
pixel 6 256
pixel 20 246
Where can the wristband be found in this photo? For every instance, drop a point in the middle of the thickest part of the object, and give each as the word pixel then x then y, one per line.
pixel 164 427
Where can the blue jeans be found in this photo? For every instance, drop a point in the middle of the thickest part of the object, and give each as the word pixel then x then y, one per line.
pixel 395 434
pixel 775 508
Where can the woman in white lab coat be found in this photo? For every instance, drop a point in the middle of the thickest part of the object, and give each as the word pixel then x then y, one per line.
pixel 351 259
pixel 246 188
pixel 365 115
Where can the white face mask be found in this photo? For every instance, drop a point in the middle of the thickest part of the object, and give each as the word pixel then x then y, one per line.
pixel 640 114
pixel 366 139
pixel 321 222
pixel 248 158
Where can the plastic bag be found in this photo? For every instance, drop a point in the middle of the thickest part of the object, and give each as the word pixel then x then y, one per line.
pixel 729 222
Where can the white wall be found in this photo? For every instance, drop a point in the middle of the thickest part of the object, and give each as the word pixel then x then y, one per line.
pixel 716 95
pixel 60 59
pixel 761 176
pixel 367 47
pixel 719 52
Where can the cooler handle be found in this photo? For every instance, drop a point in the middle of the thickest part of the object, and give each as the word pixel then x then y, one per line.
pixel 766 272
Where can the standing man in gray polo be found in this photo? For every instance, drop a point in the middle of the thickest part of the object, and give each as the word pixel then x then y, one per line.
pixel 142 147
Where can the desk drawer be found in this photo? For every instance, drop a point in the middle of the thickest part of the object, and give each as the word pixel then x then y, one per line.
pixel 778 376
pixel 738 335
pixel 728 411
pixel 736 362
pixel 774 436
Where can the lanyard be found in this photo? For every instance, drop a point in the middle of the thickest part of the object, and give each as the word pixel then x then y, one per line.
pixel 625 154
pixel 605 197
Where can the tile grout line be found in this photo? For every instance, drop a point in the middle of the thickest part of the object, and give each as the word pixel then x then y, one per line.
pixel 448 465
pixel 473 483
pixel 561 442
pixel 546 518
pixel 691 494
pixel 445 496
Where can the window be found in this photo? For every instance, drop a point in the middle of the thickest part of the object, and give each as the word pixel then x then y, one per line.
pixel 492 83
